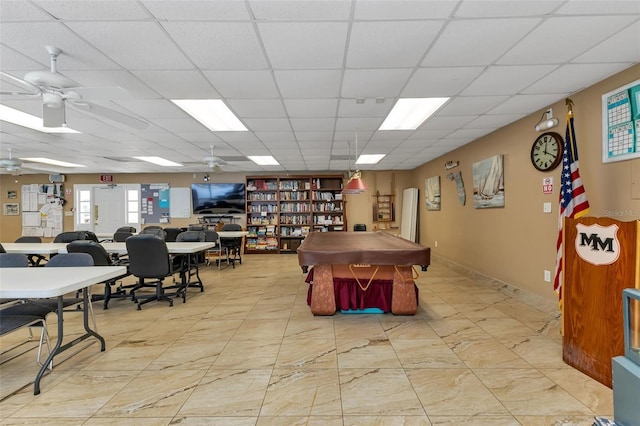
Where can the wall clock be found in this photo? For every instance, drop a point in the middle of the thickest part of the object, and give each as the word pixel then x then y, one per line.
pixel 546 151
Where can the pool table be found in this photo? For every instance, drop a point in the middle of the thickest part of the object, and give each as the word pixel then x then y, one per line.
pixel 355 270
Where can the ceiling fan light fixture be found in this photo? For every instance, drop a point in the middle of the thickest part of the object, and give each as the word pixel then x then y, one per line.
pixel 52 100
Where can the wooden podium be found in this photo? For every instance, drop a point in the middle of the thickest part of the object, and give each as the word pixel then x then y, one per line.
pixel 601 258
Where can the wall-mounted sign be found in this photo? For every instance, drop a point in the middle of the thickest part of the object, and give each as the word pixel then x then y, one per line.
pixel 547 185
pixel 106 178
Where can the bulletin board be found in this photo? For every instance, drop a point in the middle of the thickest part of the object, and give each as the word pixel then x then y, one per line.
pixel 621 123
pixel 42 213
pixel 155 203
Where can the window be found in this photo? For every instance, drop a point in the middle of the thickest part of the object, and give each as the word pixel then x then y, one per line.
pixel 133 206
pixel 84 207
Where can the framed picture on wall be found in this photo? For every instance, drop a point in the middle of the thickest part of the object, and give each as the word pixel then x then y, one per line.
pixel 432 192
pixel 488 183
pixel 11 209
pixel 12 194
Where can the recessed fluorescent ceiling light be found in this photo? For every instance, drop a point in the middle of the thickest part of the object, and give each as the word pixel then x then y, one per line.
pixel 52 162
pixel 369 158
pixel 212 113
pixel 263 160
pixel 159 161
pixel 23 119
pixel 410 113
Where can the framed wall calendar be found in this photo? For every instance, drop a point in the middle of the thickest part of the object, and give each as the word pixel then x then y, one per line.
pixel 621 123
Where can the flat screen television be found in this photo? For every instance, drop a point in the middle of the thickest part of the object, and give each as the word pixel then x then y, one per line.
pixel 218 198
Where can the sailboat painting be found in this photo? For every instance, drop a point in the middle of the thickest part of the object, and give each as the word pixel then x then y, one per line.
pixel 432 192
pixel 488 183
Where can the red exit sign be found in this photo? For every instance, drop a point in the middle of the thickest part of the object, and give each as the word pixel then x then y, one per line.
pixel 106 178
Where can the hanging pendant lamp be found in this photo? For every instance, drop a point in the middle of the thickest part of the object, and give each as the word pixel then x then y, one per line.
pixel 355 185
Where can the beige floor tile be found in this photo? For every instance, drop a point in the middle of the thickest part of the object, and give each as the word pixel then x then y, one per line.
pixel 474 421
pixel 213 421
pixel 529 392
pixel 377 392
pixel 556 420
pixel 589 392
pixel 80 395
pixel 367 353
pixel 487 353
pixel 248 354
pixel 453 392
pixel 386 421
pixel 426 353
pixel 228 393
pixel 302 393
pixel 307 353
pixel 153 394
pixel 130 421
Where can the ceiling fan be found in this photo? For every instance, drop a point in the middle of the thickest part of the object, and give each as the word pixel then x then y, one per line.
pixel 12 165
pixel 58 91
pixel 214 162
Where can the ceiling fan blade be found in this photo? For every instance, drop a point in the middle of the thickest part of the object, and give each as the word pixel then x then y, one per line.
pixel 110 114
pixel 53 117
pixel 101 93
pixel 31 88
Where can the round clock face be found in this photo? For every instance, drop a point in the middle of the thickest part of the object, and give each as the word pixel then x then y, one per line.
pixel 546 152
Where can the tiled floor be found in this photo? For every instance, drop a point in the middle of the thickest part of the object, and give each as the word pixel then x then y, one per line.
pixel 247 351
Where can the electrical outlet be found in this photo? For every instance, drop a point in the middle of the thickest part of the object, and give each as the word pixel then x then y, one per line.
pixel 436 243
pixel 547 276
pixel 546 207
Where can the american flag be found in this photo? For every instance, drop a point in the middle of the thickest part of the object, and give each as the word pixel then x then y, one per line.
pixel 573 198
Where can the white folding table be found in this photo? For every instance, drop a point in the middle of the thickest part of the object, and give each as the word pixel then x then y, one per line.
pixel 37 283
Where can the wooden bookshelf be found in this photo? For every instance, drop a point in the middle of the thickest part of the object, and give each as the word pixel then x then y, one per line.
pixel 282 210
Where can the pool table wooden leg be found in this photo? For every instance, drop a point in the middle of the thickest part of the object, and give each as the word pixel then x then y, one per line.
pixel 403 300
pixel 323 299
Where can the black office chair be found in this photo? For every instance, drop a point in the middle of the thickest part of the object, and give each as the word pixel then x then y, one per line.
pixel 171 234
pixel 149 259
pixel 123 233
pixel 195 228
pixel 67 237
pixel 359 227
pixel 34 259
pixel 232 246
pixel 156 231
pixel 102 258
pixel 2 250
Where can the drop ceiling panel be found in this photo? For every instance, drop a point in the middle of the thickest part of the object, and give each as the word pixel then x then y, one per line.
pixel 219 10
pixel 308 10
pixel 390 44
pixel 20 10
pixel 470 105
pixel 479 42
pixel 244 84
pixel 304 45
pixel 523 104
pixel 401 10
pixel 257 108
pixel 370 108
pixel 268 124
pixel 182 84
pixel 309 83
pixel 506 8
pixel 501 80
pixel 374 83
pixel 615 48
pixel 544 46
pixel 311 107
pixel 94 10
pixel 440 82
pixel 30 39
pixel 134 45
pixel 573 77
pixel 215 45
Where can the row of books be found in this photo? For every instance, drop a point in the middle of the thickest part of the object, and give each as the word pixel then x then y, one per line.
pixel 262 185
pixel 267 243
